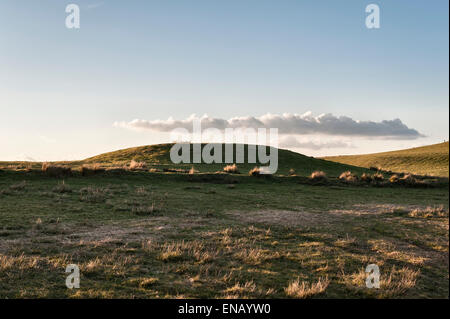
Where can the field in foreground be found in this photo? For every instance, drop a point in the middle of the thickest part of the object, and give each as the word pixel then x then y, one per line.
pixel 163 235
pixel 426 160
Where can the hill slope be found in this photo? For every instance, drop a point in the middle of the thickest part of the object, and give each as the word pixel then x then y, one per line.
pixel 425 160
pixel 159 156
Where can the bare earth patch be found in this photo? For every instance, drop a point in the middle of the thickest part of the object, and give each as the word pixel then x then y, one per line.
pixel 284 218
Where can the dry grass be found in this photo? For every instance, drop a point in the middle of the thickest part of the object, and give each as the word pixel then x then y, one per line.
pixel 394 282
pixel 378 177
pixel 430 212
pixel 394 179
pixel 147 282
pixel 366 178
pixel 247 287
pixel 254 256
pixel 408 179
pixel 232 169
pixel 398 281
pixel 134 165
pixel 348 177
pixel 172 251
pixel 318 176
pixel 256 171
pixel 302 290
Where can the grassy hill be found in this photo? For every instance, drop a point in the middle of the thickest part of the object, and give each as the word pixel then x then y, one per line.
pixel 158 156
pixel 425 160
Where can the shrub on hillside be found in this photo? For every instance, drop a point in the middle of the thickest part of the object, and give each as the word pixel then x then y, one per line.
pixel 256 171
pixel 348 177
pixel 366 178
pixel 137 165
pixel 233 169
pixel 378 177
pixel 408 179
pixel 318 176
pixel 394 179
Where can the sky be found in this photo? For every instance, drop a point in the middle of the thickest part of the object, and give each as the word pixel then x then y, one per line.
pixel 136 69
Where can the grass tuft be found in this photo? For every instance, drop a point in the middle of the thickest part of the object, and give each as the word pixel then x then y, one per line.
pixel 232 169
pixel 304 290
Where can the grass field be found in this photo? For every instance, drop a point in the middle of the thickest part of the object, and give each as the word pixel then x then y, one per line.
pixel 426 160
pixel 141 234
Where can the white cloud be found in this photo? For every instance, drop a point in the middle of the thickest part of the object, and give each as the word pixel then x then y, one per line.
pixel 312 144
pixel 326 124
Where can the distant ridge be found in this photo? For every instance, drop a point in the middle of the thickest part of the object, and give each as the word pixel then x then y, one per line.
pixel 425 160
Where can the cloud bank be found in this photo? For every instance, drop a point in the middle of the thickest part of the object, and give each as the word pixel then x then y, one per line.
pixel 295 124
pixel 311 144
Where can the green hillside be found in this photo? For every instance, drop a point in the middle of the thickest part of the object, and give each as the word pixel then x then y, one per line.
pixel 425 160
pixel 158 156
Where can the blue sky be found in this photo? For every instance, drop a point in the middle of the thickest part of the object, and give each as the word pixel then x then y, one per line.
pixel 62 90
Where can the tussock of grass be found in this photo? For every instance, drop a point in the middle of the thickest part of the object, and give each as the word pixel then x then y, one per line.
pixel 348 177
pixel 318 176
pixel 303 289
pixel 378 177
pixel 232 169
pixel 147 282
pixel 134 165
pixel 255 171
pixel 172 251
pixel 394 179
pixel 366 178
